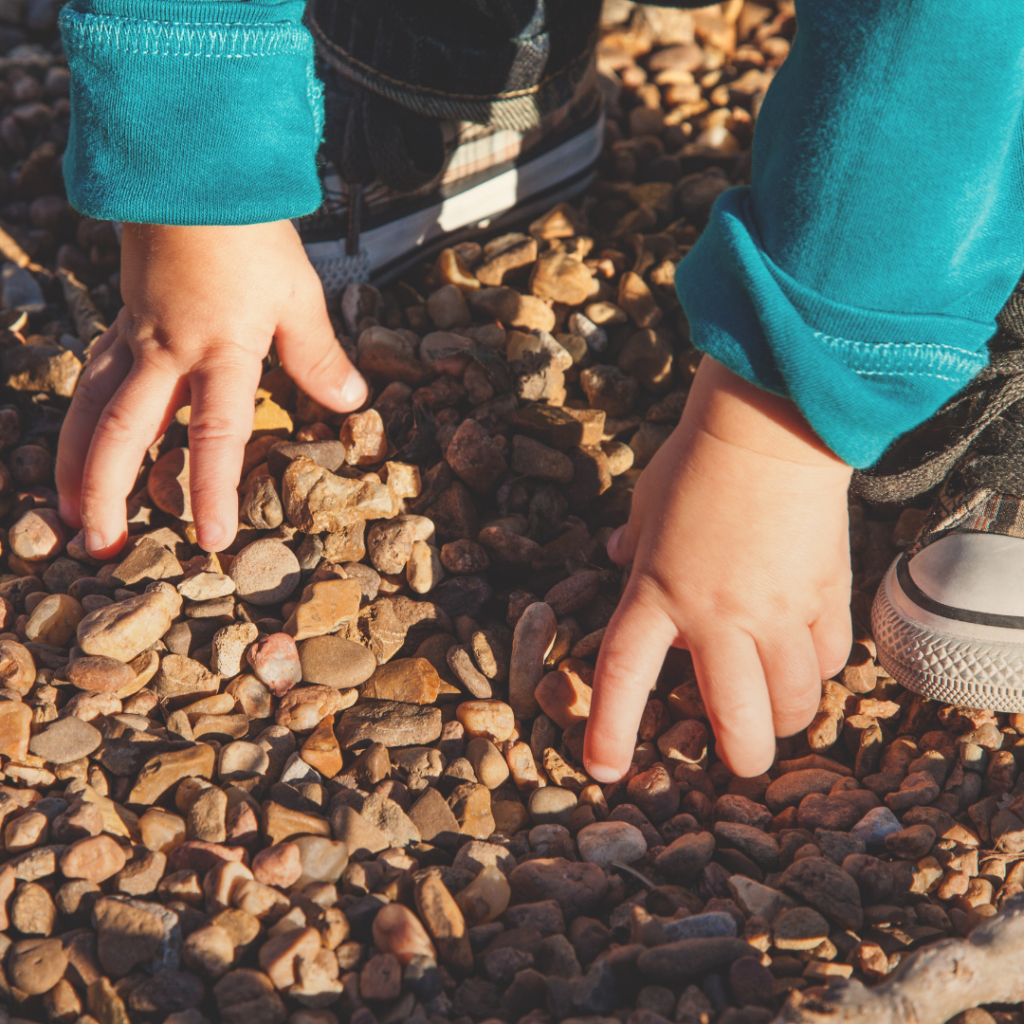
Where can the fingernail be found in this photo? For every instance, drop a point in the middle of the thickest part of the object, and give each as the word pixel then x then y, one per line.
pixel 613 543
pixel 210 536
pixel 94 541
pixel 604 773
pixel 354 390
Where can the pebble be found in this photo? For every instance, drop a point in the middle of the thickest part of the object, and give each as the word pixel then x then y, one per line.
pixel 534 634
pixel 168 484
pixel 65 741
pixel 37 535
pixel 123 630
pixel 488 719
pixel 95 859
pixel 275 660
pixel 15 729
pixel 411 680
pixel 605 842
pixel 35 965
pixel 323 608
pixel 99 674
pixel 389 722
pixel 265 572
pixel 334 661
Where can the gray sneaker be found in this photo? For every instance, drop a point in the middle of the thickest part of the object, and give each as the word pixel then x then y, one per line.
pixel 948 617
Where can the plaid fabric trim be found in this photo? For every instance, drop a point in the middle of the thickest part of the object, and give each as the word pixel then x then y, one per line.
pixel 982 511
pixel 472 149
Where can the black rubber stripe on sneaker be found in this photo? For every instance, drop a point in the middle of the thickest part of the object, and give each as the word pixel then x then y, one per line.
pixel 920 598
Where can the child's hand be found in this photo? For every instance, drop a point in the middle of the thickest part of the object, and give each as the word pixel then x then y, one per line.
pixel 739 542
pixel 201 307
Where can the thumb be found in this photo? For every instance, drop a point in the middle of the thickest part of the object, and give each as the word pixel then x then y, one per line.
pixel 313 357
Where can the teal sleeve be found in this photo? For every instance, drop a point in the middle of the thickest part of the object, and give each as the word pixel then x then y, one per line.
pixel 191 111
pixel 861 272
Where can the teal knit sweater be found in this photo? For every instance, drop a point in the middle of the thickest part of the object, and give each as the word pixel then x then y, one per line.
pixel 860 274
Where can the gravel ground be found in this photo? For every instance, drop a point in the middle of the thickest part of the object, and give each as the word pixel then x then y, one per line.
pixel 334 774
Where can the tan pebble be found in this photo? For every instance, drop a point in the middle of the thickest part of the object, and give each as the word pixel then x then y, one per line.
pixel 100 674
pixel 278 956
pixel 444 922
pixel 37 535
pixel 423 570
pixel 321 750
pixel 486 898
pixel 95 859
pixel 261 901
pixel 17 667
pixel 323 608
pixel 15 729
pixel 125 629
pixel 28 830
pixel 222 882
pixel 54 620
pixel 409 680
pixel 534 634
pixel 363 436
pixel 35 965
pixel 523 767
pixel 488 764
pixel 161 772
pixel 161 830
pixel 278 865
pixel 564 698
pixel 397 930
pixel 209 950
pixel 491 719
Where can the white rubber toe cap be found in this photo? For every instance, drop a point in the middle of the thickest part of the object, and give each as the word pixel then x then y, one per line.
pixel 976 572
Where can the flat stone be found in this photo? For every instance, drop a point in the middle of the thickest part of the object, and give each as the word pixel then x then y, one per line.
pixel 578 888
pixel 389 722
pixel 362 838
pixel 323 608
pixel 168 484
pixel 99 674
pixel 159 773
pixel 148 561
pixel 35 965
pixel 690 958
pixel 265 572
pixel 800 928
pixel 206 586
pixel 66 740
pixel 827 888
pixel 15 728
pixel 409 680
pixel 334 661
pixel 700 926
pixel 95 859
pixel 181 677
pixel 607 841
pixel 125 629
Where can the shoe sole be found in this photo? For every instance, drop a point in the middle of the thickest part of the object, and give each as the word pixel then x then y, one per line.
pixel 520 192
pixel 943 659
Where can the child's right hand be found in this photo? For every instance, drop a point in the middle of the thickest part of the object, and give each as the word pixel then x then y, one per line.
pixel 201 306
pixel 739 541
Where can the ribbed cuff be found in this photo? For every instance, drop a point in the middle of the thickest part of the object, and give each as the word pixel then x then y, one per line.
pixel 191 112
pixel 861 378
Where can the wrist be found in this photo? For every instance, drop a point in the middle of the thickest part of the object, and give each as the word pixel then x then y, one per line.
pixel 734 411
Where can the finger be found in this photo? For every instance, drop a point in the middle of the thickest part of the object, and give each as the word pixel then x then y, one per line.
pixel 312 356
pixel 632 653
pixel 109 364
pixel 832 635
pixel 136 415
pixel 794 682
pixel 622 546
pixel 219 429
pixel 735 694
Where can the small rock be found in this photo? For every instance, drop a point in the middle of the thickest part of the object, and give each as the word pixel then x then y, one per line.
pixel 265 572
pixel 95 859
pixel 66 740
pixel 608 841
pixel 275 660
